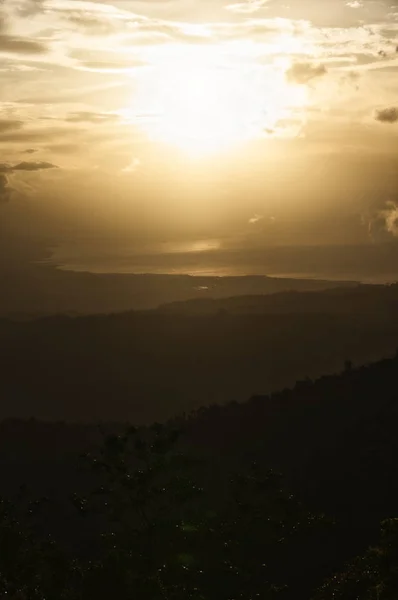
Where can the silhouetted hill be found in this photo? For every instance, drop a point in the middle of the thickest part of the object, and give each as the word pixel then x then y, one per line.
pixel 146 366
pixel 43 290
pixel 360 299
pixel 335 437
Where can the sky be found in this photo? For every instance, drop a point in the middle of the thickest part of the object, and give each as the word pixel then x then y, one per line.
pixel 131 131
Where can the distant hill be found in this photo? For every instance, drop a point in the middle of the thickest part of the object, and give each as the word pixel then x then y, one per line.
pixel 356 299
pixel 43 290
pixel 150 365
pixel 333 437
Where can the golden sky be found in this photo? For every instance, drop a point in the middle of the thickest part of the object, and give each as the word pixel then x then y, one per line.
pixel 197 125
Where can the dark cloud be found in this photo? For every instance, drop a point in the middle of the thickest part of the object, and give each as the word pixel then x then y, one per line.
pixel 30 151
pixel 91 117
pixel 9 125
pixel 33 166
pixel 19 45
pixel 304 72
pixel 26 166
pixel 5 189
pixel 387 115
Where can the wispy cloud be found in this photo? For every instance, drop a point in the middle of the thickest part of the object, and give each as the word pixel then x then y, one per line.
pixel 29 8
pixel 9 125
pixel 390 215
pixel 18 45
pixel 248 7
pixel 132 167
pixel 26 166
pixel 9 185
pixel 255 219
pixel 382 223
pixel 355 4
pixel 91 117
pixel 304 72
pixel 5 189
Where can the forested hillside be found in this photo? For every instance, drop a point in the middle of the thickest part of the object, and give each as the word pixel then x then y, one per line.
pixel 150 365
pixel 204 490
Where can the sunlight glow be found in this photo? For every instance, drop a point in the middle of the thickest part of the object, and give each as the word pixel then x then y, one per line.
pixel 204 101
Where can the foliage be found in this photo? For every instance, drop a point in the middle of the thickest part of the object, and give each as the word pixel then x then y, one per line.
pixel 169 538
pixel 163 535
pixel 159 523
pixel 30 568
pixel 373 576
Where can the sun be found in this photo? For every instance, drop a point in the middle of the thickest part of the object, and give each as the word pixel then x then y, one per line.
pixel 203 105
pixel 202 110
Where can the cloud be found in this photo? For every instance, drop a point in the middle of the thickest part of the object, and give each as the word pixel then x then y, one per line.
pixel 255 219
pixel 139 29
pixel 64 148
pixel 95 18
pixel 97 60
pixel 304 72
pixel 258 30
pixel 26 166
pixel 19 45
pixel 111 66
pixel 390 215
pixel 161 32
pixel 248 7
pixel 30 8
pixel 354 4
pixel 39 134
pixel 9 125
pixel 33 166
pixel 383 223
pixel 5 189
pixel 91 117
pixel 387 115
pixel 132 167
pixel 92 25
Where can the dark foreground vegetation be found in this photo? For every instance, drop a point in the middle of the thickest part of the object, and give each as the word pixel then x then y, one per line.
pixel 196 508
